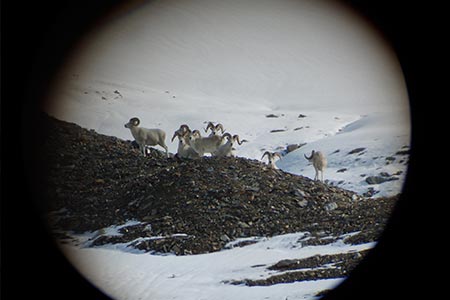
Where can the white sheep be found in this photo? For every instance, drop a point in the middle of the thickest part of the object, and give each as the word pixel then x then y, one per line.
pixel 319 162
pixel 146 137
pixel 227 148
pixel 271 157
pixel 184 149
pixel 204 145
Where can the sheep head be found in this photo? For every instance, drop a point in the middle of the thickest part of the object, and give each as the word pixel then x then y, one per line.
pixel 180 132
pixel 312 155
pixel 227 135
pixel 134 122
pixel 214 128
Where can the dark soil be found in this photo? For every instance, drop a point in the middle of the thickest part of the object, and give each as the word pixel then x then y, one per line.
pixel 94 181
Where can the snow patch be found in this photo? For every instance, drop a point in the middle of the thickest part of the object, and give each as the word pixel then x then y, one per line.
pixel 133 275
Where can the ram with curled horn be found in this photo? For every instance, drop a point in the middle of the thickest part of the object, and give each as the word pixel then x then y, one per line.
pixel 181 131
pixel 145 136
pixel 227 148
pixel 271 157
pixel 319 163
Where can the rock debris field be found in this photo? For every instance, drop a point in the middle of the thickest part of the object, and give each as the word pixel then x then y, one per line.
pixel 187 207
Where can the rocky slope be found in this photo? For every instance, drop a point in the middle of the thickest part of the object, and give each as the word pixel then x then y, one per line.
pixel 190 206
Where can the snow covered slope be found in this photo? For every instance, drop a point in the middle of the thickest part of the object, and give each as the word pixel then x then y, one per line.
pixel 369 155
pixel 205 276
pixel 258 69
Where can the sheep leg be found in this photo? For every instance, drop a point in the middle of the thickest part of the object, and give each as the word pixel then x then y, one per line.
pixel 167 149
pixel 316 177
pixel 142 149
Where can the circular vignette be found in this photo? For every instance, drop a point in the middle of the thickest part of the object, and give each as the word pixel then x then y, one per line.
pixel 122 124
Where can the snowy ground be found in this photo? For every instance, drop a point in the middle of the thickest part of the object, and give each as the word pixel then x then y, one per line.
pixel 327 80
pixel 126 273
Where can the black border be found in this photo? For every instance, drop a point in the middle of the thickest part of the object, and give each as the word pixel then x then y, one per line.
pixel 35 37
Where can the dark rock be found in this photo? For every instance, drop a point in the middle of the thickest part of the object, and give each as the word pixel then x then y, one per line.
pixel 379 179
pixel 402 152
pixel 310 268
pixel 277 130
pixel 356 150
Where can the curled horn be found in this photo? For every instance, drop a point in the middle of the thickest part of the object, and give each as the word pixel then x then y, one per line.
pixel 176 134
pixel 185 128
pixel 277 155
pixel 266 153
pixel 226 134
pixel 210 125
pixel 196 132
pixel 135 121
pixel 181 131
pixel 236 137
pixel 309 158
pixel 219 126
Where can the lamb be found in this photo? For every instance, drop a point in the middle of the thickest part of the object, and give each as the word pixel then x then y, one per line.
pixel 146 137
pixel 227 148
pixel 271 157
pixel 319 162
pixel 204 145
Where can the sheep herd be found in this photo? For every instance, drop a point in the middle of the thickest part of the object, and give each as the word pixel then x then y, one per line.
pixel 192 145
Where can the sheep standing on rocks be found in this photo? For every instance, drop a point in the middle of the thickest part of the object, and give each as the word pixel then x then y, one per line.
pixel 319 162
pixel 146 137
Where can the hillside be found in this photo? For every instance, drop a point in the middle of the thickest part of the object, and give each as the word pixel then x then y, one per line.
pixel 102 185
pixel 275 72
